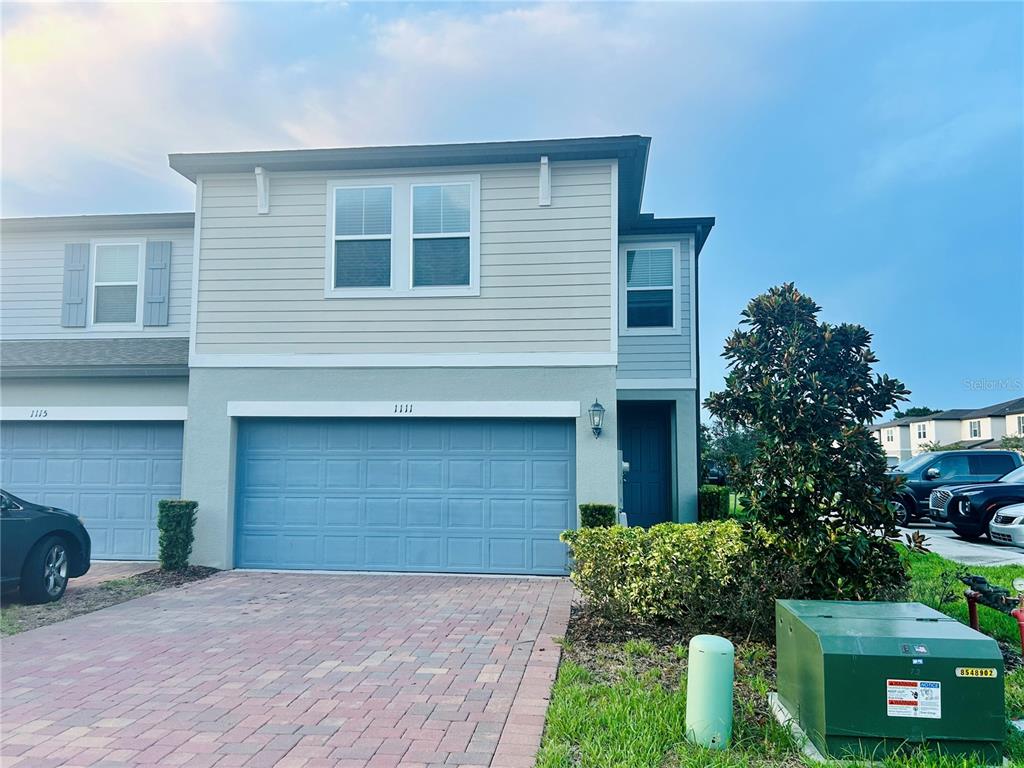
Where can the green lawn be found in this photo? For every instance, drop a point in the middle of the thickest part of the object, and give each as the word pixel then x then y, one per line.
pixel 623 705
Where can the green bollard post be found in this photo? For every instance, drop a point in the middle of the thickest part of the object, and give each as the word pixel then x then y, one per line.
pixel 709 680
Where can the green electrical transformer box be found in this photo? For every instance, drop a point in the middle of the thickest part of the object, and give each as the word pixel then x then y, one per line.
pixel 866 679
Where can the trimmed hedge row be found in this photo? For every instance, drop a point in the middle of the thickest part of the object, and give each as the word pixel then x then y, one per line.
pixel 718 574
pixel 176 520
pixel 597 515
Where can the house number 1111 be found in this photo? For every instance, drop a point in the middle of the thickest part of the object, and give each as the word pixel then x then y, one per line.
pixel 405 408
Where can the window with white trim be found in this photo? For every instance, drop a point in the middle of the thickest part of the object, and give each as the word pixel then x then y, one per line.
pixel 362 237
pixel 922 431
pixel 403 235
pixel 975 428
pixel 650 288
pixel 1020 426
pixel 116 277
pixel 889 437
pixel 440 234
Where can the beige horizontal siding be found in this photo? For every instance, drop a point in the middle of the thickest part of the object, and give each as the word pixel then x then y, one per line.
pixel 32 283
pixel 545 272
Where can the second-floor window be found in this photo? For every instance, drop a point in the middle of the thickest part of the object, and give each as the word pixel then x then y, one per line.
pixel 1020 425
pixel 975 428
pixel 889 436
pixel 116 276
pixel 922 431
pixel 362 237
pixel 440 234
pixel 396 235
pixel 650 292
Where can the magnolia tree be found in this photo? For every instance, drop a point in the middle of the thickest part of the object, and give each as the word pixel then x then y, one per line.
pixel 818 477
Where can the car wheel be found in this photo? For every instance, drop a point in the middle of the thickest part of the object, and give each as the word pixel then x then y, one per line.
pixel 45 575
pixel 902 513
pixel 971 533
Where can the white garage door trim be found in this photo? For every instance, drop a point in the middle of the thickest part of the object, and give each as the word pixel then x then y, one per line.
pixel 94 413
pixel 515 409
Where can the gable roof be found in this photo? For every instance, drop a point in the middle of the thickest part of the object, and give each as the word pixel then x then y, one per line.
pixel 631 152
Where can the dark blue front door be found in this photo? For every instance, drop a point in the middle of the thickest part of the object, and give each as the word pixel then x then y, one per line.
pixel 644 441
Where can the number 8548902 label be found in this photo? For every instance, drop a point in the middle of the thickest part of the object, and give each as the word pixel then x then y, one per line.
pixel 976 672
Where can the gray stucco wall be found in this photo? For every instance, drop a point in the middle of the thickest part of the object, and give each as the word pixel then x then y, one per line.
pixel 106 391
pixel 208 471
pixel 685 465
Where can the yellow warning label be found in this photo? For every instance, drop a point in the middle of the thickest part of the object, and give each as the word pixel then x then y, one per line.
pixel 975 672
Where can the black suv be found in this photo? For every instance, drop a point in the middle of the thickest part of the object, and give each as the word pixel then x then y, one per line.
pixel 970 508
pixel 42 548
pixel 927 472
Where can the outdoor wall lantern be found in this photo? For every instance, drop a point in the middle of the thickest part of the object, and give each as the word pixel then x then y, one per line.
pixel 596 412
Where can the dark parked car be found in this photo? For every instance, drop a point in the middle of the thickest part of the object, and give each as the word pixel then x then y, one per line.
pixel 927 472
pixel 970 508
pixel 42 547
pixel 717 474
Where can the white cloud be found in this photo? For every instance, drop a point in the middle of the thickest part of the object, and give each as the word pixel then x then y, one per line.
pixel 118 86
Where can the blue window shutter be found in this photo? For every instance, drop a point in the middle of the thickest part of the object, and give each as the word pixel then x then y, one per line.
pixel 76 285
pixel 158 282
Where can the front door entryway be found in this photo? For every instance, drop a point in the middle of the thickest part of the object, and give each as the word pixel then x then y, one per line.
pixel 645 443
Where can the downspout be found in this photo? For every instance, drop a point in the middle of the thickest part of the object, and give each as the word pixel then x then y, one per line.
pixel 698 246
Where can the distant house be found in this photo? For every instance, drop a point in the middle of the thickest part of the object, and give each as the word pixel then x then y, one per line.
pixel 977 428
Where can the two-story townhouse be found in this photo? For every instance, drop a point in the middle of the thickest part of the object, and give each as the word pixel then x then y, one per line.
pixel 399 358
pixel 894 436
pixel 94 317
pixel 942 427
pixel 991 423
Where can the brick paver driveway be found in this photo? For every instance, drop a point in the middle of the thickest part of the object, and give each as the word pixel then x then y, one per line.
pixel 300 670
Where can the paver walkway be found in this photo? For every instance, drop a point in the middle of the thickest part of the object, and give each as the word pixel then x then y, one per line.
pixel 261 669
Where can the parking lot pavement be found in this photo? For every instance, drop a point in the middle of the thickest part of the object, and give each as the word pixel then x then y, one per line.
pixel 945 542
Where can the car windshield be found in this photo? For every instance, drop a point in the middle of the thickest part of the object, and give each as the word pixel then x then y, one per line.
pixel 1016 476
pixel 911 464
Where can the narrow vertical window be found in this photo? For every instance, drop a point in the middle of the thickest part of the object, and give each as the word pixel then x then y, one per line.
pixel 116 284
pixel 649 288
pixel 362 237
pixel 441 234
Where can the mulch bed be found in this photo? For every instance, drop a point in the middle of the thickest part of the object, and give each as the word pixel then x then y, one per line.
pixel 20 618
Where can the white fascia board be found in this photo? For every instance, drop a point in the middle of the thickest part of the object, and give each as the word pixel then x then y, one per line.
pixel 43 412
pixel 627 384
pixel 523 409
pixel 466 360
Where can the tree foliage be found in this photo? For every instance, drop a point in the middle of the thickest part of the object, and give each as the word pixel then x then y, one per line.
pixel 914 412
pixel 818 477
pixel 728 445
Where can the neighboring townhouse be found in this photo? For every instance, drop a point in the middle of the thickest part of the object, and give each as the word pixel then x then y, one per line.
pixel 990 424
pixel 398 358
pixel 942 427
pixel 978 428
pixel 895 439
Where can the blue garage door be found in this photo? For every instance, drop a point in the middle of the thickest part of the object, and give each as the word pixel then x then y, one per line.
pixel 112 474
pixel 452 495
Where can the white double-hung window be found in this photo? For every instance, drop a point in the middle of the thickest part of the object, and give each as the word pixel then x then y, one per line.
pixel 975 428
pixel 441 235
pixel 362 237
pixel 649 293
pixel 404 236
pixel 117 270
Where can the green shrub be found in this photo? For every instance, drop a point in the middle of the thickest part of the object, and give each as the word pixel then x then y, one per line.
pixel 176 522
pixel 714 576
pixel 597 515
pixel 713 502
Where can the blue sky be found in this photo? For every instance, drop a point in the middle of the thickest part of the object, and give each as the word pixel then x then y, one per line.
pixel 873 153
